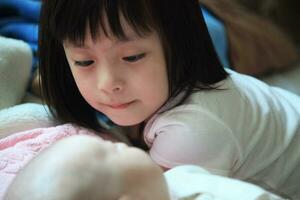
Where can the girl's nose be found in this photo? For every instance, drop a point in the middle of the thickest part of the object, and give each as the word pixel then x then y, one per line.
pixel 109 80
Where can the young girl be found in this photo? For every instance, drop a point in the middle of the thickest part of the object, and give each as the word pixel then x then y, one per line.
pixel 150 66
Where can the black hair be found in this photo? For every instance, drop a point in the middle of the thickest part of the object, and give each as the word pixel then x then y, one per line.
pixel 192 63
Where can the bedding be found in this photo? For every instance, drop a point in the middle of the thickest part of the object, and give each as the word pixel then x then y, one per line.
pixel 15 66
pixel 288 79
pixel 19 20
pixel 18 149
pixel 185 182
pixel 194 183
pixel 23 117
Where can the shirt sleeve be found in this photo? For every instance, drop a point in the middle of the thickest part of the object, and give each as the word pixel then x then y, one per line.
pixel 191 136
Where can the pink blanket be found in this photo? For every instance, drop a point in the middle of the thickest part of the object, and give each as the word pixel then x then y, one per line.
pixel 17 149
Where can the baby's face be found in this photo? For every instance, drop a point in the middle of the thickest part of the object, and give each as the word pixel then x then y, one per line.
pixel 136 176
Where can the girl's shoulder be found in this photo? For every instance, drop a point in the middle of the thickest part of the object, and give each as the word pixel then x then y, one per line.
pixel 238 95
pixel 182 134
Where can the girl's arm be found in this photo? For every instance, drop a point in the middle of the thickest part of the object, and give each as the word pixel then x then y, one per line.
pixel 193 138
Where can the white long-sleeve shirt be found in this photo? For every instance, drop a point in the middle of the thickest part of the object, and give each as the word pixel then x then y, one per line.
pixel 245 130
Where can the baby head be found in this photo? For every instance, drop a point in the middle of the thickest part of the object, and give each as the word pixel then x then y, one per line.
pixel 85 167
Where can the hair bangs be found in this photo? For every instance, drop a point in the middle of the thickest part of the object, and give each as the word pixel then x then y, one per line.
pixel 99 17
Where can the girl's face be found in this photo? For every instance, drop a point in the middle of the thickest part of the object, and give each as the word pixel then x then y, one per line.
pixel 124 79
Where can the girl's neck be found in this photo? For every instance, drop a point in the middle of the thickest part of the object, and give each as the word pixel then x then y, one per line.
pixel 131 132
pixel 135 135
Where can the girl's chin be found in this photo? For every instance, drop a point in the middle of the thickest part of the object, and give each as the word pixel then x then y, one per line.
pixel 127 121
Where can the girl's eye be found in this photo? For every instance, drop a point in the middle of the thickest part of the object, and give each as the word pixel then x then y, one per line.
pixel 134 58
pixel 84 63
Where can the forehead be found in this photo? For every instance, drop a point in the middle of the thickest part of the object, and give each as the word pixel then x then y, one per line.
pixel 107 43
pixel 129 35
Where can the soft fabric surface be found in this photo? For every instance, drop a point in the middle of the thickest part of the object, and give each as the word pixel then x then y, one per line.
pixel 24 117
pixel 15 65
pixel 218 35
pixel 194 183
pixel 18 149
pixel 19 20
pixel 289 80
pixel 26 9
pixel 186 182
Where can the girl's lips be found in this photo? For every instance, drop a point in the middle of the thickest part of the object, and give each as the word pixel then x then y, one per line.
pixel 120 106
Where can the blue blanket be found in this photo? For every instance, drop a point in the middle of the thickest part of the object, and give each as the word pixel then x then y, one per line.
pixel 19 20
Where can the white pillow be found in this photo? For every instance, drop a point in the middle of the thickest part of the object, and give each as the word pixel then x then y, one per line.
pixel 15 67
pixel 24 117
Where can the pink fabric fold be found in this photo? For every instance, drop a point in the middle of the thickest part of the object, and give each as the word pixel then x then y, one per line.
pixel 18 149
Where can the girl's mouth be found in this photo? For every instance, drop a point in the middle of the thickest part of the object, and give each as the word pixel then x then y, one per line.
pixel 121 106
